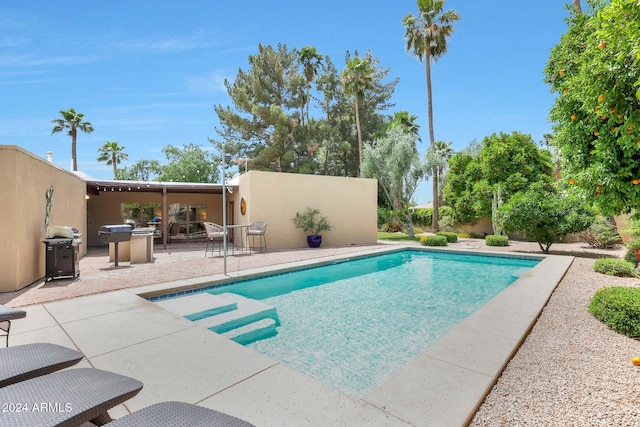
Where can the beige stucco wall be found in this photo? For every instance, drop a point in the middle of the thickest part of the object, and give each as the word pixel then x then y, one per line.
pixel 349 203
pixel 24 180
pixel 104 209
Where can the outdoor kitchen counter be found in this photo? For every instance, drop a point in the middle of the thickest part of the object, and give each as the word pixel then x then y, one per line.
pixel 137 250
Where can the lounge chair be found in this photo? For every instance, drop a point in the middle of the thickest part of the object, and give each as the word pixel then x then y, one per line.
pixel 214 232
pixel 178 414
pixel 22 362
pixel 66 398
pixel 7 314
pixel 257 228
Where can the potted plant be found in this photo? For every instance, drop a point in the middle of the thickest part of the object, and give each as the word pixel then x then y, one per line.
pixel 313 224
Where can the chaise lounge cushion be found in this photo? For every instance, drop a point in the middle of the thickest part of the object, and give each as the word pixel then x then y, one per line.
pixel 66 398
pixel 178 414
pixel 22 362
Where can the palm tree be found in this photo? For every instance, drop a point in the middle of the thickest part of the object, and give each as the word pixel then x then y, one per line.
pixel 72 121
pixel 113 154
pixel 439 155
pixel 406 122
pixel 357 77
pixel 310 60
pixel 426 36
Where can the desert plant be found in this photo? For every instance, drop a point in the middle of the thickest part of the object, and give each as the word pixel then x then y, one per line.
pixel 433 241
pixel 602 234
pixel 312 222
pixel 496 240
pixel 450 236
pixel 617 307
pixel 615 267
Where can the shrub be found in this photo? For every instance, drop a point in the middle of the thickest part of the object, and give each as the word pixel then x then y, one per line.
pixel 384 216
pixel 450 236
pixel 496 240
pixel 615 267
pixel 447 223
pixel 602 234
pixel 619 308
pixel 632 245
pixel 433 241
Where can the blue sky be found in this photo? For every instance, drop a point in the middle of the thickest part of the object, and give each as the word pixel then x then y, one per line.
pixel 148 73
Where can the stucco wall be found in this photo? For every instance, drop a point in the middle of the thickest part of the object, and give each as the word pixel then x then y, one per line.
pixel 24 180
pixel 349 203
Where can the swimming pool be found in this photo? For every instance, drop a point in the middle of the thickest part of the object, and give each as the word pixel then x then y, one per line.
pixel 353 324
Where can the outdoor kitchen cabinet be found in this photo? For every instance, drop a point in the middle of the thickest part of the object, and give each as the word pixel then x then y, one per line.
pixel 62 259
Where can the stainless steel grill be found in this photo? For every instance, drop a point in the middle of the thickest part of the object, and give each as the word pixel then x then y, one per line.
pixel 115 234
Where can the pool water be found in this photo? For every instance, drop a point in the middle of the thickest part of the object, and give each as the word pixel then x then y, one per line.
pixel 354 324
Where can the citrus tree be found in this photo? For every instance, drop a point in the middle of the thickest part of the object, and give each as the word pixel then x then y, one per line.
pixel 545 214
pixel 595 72
pixel 504 165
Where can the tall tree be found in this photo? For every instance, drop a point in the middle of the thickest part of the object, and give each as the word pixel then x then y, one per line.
pixel 73 122
pixel 426 37
pixel 311 61
pixel 406 122
pixel 142 170
pixel 113 154
pixel 394 161
pixel 357 77
pixel 265 100
pixel 190 163
pixel 506 164
pixel 437 159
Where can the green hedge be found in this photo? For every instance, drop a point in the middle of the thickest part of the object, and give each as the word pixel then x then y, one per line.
pixel 619 308
pixel 424 216
pixel 615 267
pixel 450 235
pixel 433 241
pixel 496 240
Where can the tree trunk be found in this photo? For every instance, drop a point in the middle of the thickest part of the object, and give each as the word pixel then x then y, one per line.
pixel 115 166
pixel 355 97
pixel 74 133
pixel 577 7
pixel 432 140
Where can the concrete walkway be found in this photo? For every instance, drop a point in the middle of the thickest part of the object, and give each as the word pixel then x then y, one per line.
pixel 176 359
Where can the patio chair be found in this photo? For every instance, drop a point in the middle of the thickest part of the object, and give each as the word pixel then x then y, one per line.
pixel 7 314
pixel 174 230
pixel 257 229
pixel 214 232
pixel 178 414
pixel 22 362
pixel 66 398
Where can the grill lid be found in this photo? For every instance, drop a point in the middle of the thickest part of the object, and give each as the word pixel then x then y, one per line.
pixel 115 233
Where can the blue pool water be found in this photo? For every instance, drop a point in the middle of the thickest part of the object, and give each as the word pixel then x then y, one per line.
pixel 354 324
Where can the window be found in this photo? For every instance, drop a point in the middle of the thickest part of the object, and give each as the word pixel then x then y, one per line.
pixel 139 214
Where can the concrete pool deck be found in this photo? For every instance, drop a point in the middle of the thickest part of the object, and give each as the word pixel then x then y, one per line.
pixel 179 360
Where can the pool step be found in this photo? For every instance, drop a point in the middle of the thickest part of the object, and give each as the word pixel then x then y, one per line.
pixel 198 306
pixel 254 331
pixel 248 311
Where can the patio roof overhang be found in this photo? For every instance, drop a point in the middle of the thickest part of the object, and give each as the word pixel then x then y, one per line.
pixel 95 187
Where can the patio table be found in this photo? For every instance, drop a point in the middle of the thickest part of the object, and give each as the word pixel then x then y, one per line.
pixel 65 398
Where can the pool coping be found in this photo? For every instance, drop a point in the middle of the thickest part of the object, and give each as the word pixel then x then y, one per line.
pixel 446 383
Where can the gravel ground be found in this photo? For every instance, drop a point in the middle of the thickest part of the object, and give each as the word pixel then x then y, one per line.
pixel 572 370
